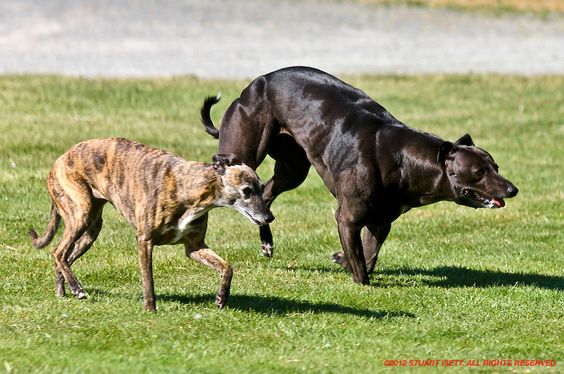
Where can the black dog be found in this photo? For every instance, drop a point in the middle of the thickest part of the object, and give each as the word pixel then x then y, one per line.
pixel 376 167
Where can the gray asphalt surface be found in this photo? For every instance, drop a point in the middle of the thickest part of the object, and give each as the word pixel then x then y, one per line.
pixel 243 39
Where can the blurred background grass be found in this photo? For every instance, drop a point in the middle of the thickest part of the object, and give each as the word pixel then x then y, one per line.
pixel 496 6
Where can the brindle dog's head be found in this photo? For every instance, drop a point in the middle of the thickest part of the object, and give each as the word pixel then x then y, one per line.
pixel 241 189
pixel 473 175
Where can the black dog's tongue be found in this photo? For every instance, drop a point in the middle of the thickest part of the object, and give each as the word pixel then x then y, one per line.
pixel 499 203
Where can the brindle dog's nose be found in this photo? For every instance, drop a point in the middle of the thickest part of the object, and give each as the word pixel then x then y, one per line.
pixel 270 217
pixel 512 191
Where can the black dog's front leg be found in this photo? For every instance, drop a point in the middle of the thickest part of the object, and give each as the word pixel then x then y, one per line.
pixel 372 240
pixel 349 233
pixel 266 241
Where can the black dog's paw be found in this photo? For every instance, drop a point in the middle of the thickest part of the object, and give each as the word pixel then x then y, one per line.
pixel 266 250
pixel 339 258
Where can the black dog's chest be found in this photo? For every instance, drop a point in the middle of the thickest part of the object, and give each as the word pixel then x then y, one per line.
pixel 387 206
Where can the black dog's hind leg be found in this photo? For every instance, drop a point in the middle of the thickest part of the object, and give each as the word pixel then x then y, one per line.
pixel 290 170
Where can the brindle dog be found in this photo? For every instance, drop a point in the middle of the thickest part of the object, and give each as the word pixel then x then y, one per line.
pixel 165 197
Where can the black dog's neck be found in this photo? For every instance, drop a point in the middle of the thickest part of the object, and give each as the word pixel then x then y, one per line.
pixel 423 176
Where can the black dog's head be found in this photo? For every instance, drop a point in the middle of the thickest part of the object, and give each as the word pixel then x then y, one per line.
pixel 473 175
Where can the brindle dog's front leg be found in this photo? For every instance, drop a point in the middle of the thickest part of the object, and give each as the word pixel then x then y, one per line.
pixel 206 256
pixel 349 233
pixel 145 248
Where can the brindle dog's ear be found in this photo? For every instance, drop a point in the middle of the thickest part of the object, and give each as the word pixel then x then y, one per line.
pixel 466 139
pixel 444 149
pixel 224 160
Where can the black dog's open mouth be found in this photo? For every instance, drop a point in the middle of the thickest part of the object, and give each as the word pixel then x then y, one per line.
pixel 479 200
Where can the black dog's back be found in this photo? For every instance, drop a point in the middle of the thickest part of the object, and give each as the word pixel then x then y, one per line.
pixel 298 92
pixel 300 88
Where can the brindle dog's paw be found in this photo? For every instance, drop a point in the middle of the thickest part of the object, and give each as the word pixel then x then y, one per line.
pixel 266 250
pixel 80 294
pixel 60 291
pixel 339 258
pixel 221 300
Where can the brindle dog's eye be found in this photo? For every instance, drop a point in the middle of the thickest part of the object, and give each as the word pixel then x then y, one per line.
pixel 247 191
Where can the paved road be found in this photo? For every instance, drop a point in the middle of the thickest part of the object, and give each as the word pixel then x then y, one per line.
pixel 244 38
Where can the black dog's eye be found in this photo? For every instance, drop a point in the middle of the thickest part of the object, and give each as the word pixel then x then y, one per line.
pixel 480 172
pixel 247 191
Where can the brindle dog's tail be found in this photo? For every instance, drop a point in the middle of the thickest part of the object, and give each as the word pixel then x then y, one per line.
pixel 205 115
pixel 52 226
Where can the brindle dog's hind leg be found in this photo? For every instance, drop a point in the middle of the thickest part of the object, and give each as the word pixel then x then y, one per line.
pixel 75 204
pixel 82 245
pixel 73 231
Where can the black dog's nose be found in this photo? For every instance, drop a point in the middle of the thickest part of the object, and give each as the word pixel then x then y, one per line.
pixel 512 191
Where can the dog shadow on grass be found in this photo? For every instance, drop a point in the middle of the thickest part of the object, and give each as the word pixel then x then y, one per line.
pixel 456 276
pixel 450 277
pixel 279 306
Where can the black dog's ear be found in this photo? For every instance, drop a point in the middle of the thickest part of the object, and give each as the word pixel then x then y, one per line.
pixel 223 160
pixel 466 139
pixel 444 149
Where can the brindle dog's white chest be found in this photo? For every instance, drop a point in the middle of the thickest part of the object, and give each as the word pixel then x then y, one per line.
pixel 185 224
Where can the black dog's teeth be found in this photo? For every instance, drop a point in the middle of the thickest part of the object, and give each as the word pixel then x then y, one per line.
pixel 475 195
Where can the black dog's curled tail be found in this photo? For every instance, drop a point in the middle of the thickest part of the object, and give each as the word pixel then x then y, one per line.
pixel 52 226
pixel 205 115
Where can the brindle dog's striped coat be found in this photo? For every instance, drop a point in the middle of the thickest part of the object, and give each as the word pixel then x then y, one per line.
pixel 163 196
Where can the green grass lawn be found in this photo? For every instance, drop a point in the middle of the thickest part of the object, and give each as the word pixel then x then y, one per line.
pixel 452 283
